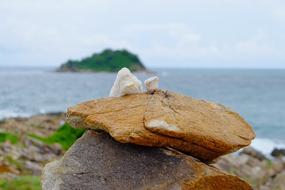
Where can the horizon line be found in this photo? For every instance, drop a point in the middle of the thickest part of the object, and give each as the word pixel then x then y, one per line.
pixel 155 67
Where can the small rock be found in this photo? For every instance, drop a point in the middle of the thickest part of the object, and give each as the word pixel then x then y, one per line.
pixel 264 188
pixel 34 167
pixel 254 153
pixel 279 181
pixel 278 152
pixel 151 83
pixel 126 83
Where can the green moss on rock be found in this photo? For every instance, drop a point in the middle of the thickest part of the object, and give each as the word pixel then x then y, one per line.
pixel 21 183
pixel 8 137
pixel 65 136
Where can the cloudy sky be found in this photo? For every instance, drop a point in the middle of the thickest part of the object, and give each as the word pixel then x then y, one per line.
pixel 164 33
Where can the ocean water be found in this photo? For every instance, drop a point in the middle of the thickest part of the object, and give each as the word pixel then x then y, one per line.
pixel 258 95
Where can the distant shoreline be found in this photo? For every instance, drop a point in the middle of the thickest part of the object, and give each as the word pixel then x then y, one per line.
pixel 108 60
pixel 53 68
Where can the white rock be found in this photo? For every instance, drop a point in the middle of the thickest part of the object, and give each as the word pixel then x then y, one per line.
pixel 162 125
pixel 126 83
pixel 151 83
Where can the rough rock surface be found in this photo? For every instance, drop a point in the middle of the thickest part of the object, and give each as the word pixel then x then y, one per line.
pixel 96 161
pixel 164 119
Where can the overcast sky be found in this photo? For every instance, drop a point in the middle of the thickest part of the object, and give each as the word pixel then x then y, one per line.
pixel 164 33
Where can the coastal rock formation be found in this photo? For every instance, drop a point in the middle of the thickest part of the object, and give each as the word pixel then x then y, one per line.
pixel 96 161
pixel 202 129
pixel 126 83
pixel 144 141
pixel 251 165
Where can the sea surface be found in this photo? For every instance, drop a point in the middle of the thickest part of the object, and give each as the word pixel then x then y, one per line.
pixel 258 95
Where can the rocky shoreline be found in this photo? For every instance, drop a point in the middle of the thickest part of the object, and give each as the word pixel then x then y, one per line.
pixel 28 155
pixel 258 170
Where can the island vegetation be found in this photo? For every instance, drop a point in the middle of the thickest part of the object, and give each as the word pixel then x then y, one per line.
pixel 106 61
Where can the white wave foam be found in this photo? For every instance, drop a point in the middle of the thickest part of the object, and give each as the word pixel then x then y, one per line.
pixel 11 114
pixel 266 145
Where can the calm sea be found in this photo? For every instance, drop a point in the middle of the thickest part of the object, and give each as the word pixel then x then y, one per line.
pixel 258 95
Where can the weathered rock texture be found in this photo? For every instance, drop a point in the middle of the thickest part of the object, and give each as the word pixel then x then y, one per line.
pixel 96 161
pixel 202 129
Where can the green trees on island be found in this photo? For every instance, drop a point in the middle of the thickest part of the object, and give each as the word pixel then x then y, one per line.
pixel 106 61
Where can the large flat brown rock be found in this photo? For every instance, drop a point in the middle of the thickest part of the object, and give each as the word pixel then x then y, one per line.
pixel 202 129
pixel 96 161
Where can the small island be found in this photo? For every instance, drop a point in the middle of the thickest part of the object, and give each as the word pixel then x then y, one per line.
pixel 106 61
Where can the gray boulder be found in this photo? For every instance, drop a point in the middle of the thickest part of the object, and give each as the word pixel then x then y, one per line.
pixel 96 161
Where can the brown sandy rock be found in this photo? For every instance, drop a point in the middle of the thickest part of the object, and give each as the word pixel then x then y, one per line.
pixel 96 161
pixel 165 119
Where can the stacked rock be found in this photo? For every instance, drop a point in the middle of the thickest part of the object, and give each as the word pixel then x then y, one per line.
pixel 149 140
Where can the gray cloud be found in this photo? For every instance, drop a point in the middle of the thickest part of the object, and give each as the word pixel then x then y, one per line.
pixel 207 33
